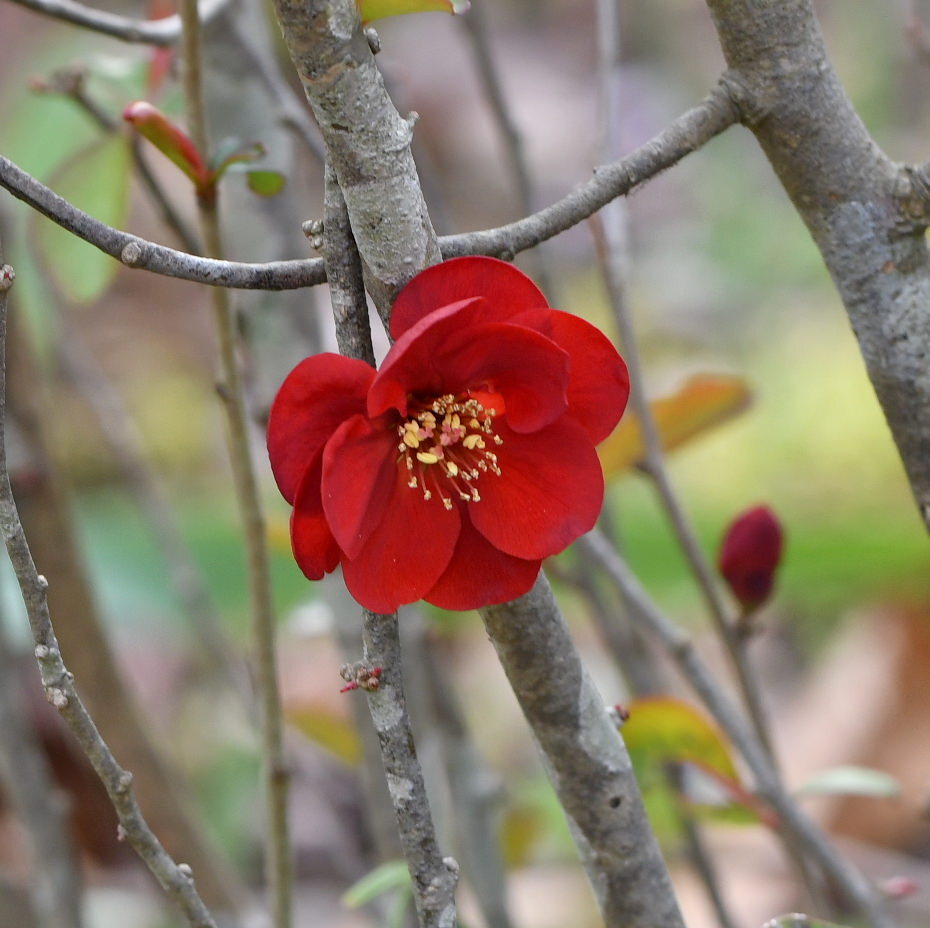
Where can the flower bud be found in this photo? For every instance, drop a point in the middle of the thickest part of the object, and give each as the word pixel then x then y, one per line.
pixel 750 554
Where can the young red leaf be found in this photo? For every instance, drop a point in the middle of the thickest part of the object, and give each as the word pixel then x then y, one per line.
pixel 171 141
pixel 750 554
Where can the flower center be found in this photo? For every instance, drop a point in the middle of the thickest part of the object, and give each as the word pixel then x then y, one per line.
pixel 445 445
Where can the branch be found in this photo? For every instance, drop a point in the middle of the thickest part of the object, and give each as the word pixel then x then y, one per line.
pixel 176 879
pixel 278 857
pixel 138 253
pixel 434 877
pixel 586 760
pixel 686 134
pixel 866 214
pixel 144 31
pixel 55 888
pixel 680 648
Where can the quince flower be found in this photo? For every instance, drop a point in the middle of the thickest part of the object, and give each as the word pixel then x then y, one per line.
pixel 449 474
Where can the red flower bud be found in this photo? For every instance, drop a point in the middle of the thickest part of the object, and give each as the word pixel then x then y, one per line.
pixel 750 554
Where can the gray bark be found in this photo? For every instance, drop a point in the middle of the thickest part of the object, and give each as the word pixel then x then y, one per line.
pixel 586 760
pixel 866 213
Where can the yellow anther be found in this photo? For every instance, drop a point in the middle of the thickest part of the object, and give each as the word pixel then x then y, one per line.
pixel 473 441
pixel 425 457
pixel 411 440
pixel 452 469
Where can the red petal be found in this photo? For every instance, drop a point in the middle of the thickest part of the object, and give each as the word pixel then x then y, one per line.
pixel 550 491
pixel 359 466
pixel 455 350
pixel 598 383
pixel 507 288
pixel 406 553
pixel 315 399
pixel 315 549
pixel 481 575
pixel 412 356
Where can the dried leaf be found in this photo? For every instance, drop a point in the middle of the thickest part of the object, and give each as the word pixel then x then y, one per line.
pixel 703 401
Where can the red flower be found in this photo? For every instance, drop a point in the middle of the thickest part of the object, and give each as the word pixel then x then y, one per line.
pixel 450 473
pixel 749 555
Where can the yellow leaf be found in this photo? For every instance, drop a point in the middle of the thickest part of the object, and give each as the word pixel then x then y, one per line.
pixel 702 402
pixel 663 730
pixel 379 9
pixel 326 729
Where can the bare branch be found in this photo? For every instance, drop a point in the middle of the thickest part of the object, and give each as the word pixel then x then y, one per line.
pixel 144 31
pixel 476 28
pixel 278 860
pixel 138 253
pixel 369 150
pixel 42 808
pixel 866 214
pixel 176 879
pixel 434 877
pixel 686 134
pixel 850 882
pixel 586 760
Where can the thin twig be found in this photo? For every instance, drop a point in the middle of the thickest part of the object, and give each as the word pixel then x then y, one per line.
pixel 176 879
pixel 849 881
pixel 474 791
pixel 42 808
pixel 276 776
pixel 476 28
pixel 433 877
pixel 344 274
pixel 143 31
pixel 686 134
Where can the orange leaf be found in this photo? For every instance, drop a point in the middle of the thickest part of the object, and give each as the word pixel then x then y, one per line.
pixel 703 401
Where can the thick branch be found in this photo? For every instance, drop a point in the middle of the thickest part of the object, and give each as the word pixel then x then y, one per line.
pixel 368 148
pixel 866 214
pixel 586 758
pixel 855 889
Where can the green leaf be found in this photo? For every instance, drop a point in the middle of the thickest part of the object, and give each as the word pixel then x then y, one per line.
pixel 234 151
pixel 851 781
pixel 265 183
pixel 392 874
pixel 380 9
pixel 96 179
